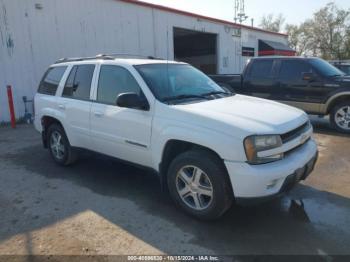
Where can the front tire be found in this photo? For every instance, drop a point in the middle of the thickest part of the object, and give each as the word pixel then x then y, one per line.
pixel 60 149
pixel 198 183
pixel 340 117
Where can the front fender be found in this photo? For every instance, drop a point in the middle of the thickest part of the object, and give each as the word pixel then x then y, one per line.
pixel 227 147
pixel 334 96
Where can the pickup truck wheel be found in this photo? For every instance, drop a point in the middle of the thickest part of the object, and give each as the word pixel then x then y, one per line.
pixel 340 117
pixel 199 184
pixel 60 149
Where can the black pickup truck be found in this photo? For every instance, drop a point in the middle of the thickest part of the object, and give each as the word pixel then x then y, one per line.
pixel 342 66
pixel 310 84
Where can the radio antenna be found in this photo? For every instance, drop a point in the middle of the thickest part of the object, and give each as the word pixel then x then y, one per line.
pixel 240 15
pixel 167 56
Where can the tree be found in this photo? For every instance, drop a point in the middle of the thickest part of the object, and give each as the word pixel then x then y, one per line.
pixel 270 23
pixel 326 34
pixel 347 44
pixel 293 32
pixel 300 38
pixel 330 31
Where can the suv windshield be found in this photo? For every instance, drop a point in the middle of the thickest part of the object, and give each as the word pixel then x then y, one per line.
pixel 325 68
pixel 175 82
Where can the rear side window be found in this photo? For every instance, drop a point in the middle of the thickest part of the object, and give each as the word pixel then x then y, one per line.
pixel 113 81
pixel 78 84
pixel 51 80
pixel 293 70
pixel 261 69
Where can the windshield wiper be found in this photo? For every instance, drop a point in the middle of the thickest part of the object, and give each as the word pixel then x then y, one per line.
pixel 179 97
pixel 217 93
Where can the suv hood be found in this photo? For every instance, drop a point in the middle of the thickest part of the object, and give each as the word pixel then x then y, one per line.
pixel 241 115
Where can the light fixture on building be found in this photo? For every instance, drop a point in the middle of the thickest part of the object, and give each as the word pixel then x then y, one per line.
pixel 237 32
pixel 38 6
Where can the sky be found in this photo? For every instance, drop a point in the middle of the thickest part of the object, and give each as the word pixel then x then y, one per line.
pixel 295 11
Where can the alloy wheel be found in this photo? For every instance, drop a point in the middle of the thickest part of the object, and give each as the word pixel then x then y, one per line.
pixel 342 117
pixel 57 146
pixel 194 187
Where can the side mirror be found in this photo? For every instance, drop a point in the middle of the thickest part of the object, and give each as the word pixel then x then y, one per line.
pixel 132 100
pixel 308 77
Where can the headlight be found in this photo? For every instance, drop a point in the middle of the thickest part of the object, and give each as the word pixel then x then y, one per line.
pixel 255 144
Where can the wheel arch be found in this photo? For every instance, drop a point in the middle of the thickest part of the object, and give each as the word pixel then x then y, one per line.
pixel 173 148
pixel 46 122
pixel 338 98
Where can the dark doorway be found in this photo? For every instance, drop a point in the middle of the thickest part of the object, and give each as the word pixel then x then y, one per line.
pixel 196 48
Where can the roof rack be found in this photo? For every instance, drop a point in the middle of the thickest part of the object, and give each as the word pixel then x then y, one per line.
pixel 130 56
pixel 105 57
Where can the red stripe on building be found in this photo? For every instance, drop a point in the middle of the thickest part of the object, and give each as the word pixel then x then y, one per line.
pixel 276 52
pixel 180 12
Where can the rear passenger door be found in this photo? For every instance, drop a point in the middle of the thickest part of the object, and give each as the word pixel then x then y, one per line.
pixel 75 105
pixel 124 133
pixel 260 79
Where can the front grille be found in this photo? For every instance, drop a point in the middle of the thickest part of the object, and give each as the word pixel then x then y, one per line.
pixel 289 136
pixel 287 153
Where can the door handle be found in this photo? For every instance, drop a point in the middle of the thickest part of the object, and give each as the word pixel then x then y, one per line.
pixel 63 107
pixel 98 114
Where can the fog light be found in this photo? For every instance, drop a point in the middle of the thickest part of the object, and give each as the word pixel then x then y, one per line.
pixel 272 184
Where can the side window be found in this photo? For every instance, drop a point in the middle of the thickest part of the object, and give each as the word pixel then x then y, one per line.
pixel 261 69
pixel 51 80
pixel 292 70
pixel 115 80
pixel 68 88
pixel 78 84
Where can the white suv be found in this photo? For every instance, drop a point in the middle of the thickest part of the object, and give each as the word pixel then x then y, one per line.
pixel 209 147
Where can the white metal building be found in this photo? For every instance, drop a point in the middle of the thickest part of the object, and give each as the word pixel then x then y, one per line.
pixel 35 33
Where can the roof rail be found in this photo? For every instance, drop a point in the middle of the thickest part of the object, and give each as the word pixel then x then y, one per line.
pixel 131 56
pixel 105 57
pixel 75 59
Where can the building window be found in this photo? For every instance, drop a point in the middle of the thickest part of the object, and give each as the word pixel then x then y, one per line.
pixel 248 51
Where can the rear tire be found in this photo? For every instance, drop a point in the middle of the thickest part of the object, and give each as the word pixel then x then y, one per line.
pixel 199 184
pixel 340 117
pixel 60 149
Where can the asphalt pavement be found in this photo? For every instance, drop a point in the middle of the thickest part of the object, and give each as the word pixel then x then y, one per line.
pixel 101 206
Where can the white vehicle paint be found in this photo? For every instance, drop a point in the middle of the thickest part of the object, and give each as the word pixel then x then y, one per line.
pixel 220 125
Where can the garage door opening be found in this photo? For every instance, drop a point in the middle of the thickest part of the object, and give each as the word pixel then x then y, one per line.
pixel 196 48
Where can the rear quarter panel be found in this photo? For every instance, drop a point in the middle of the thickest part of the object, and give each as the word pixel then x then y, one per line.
pixel 44 106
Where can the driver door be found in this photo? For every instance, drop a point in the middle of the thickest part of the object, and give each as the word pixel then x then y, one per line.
pixel 296 91
pixel 123 133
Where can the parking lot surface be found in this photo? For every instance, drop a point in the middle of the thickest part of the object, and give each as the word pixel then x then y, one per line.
pixel 100 206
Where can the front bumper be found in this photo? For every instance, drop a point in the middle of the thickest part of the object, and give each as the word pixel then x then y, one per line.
pixel 254 182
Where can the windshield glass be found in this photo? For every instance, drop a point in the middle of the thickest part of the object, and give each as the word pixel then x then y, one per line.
pixel 171 81
pixel 325 68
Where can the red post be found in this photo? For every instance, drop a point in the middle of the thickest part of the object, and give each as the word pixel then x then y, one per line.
pixel 11 107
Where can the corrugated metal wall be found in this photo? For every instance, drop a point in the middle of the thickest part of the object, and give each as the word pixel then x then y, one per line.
pixel 34 34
